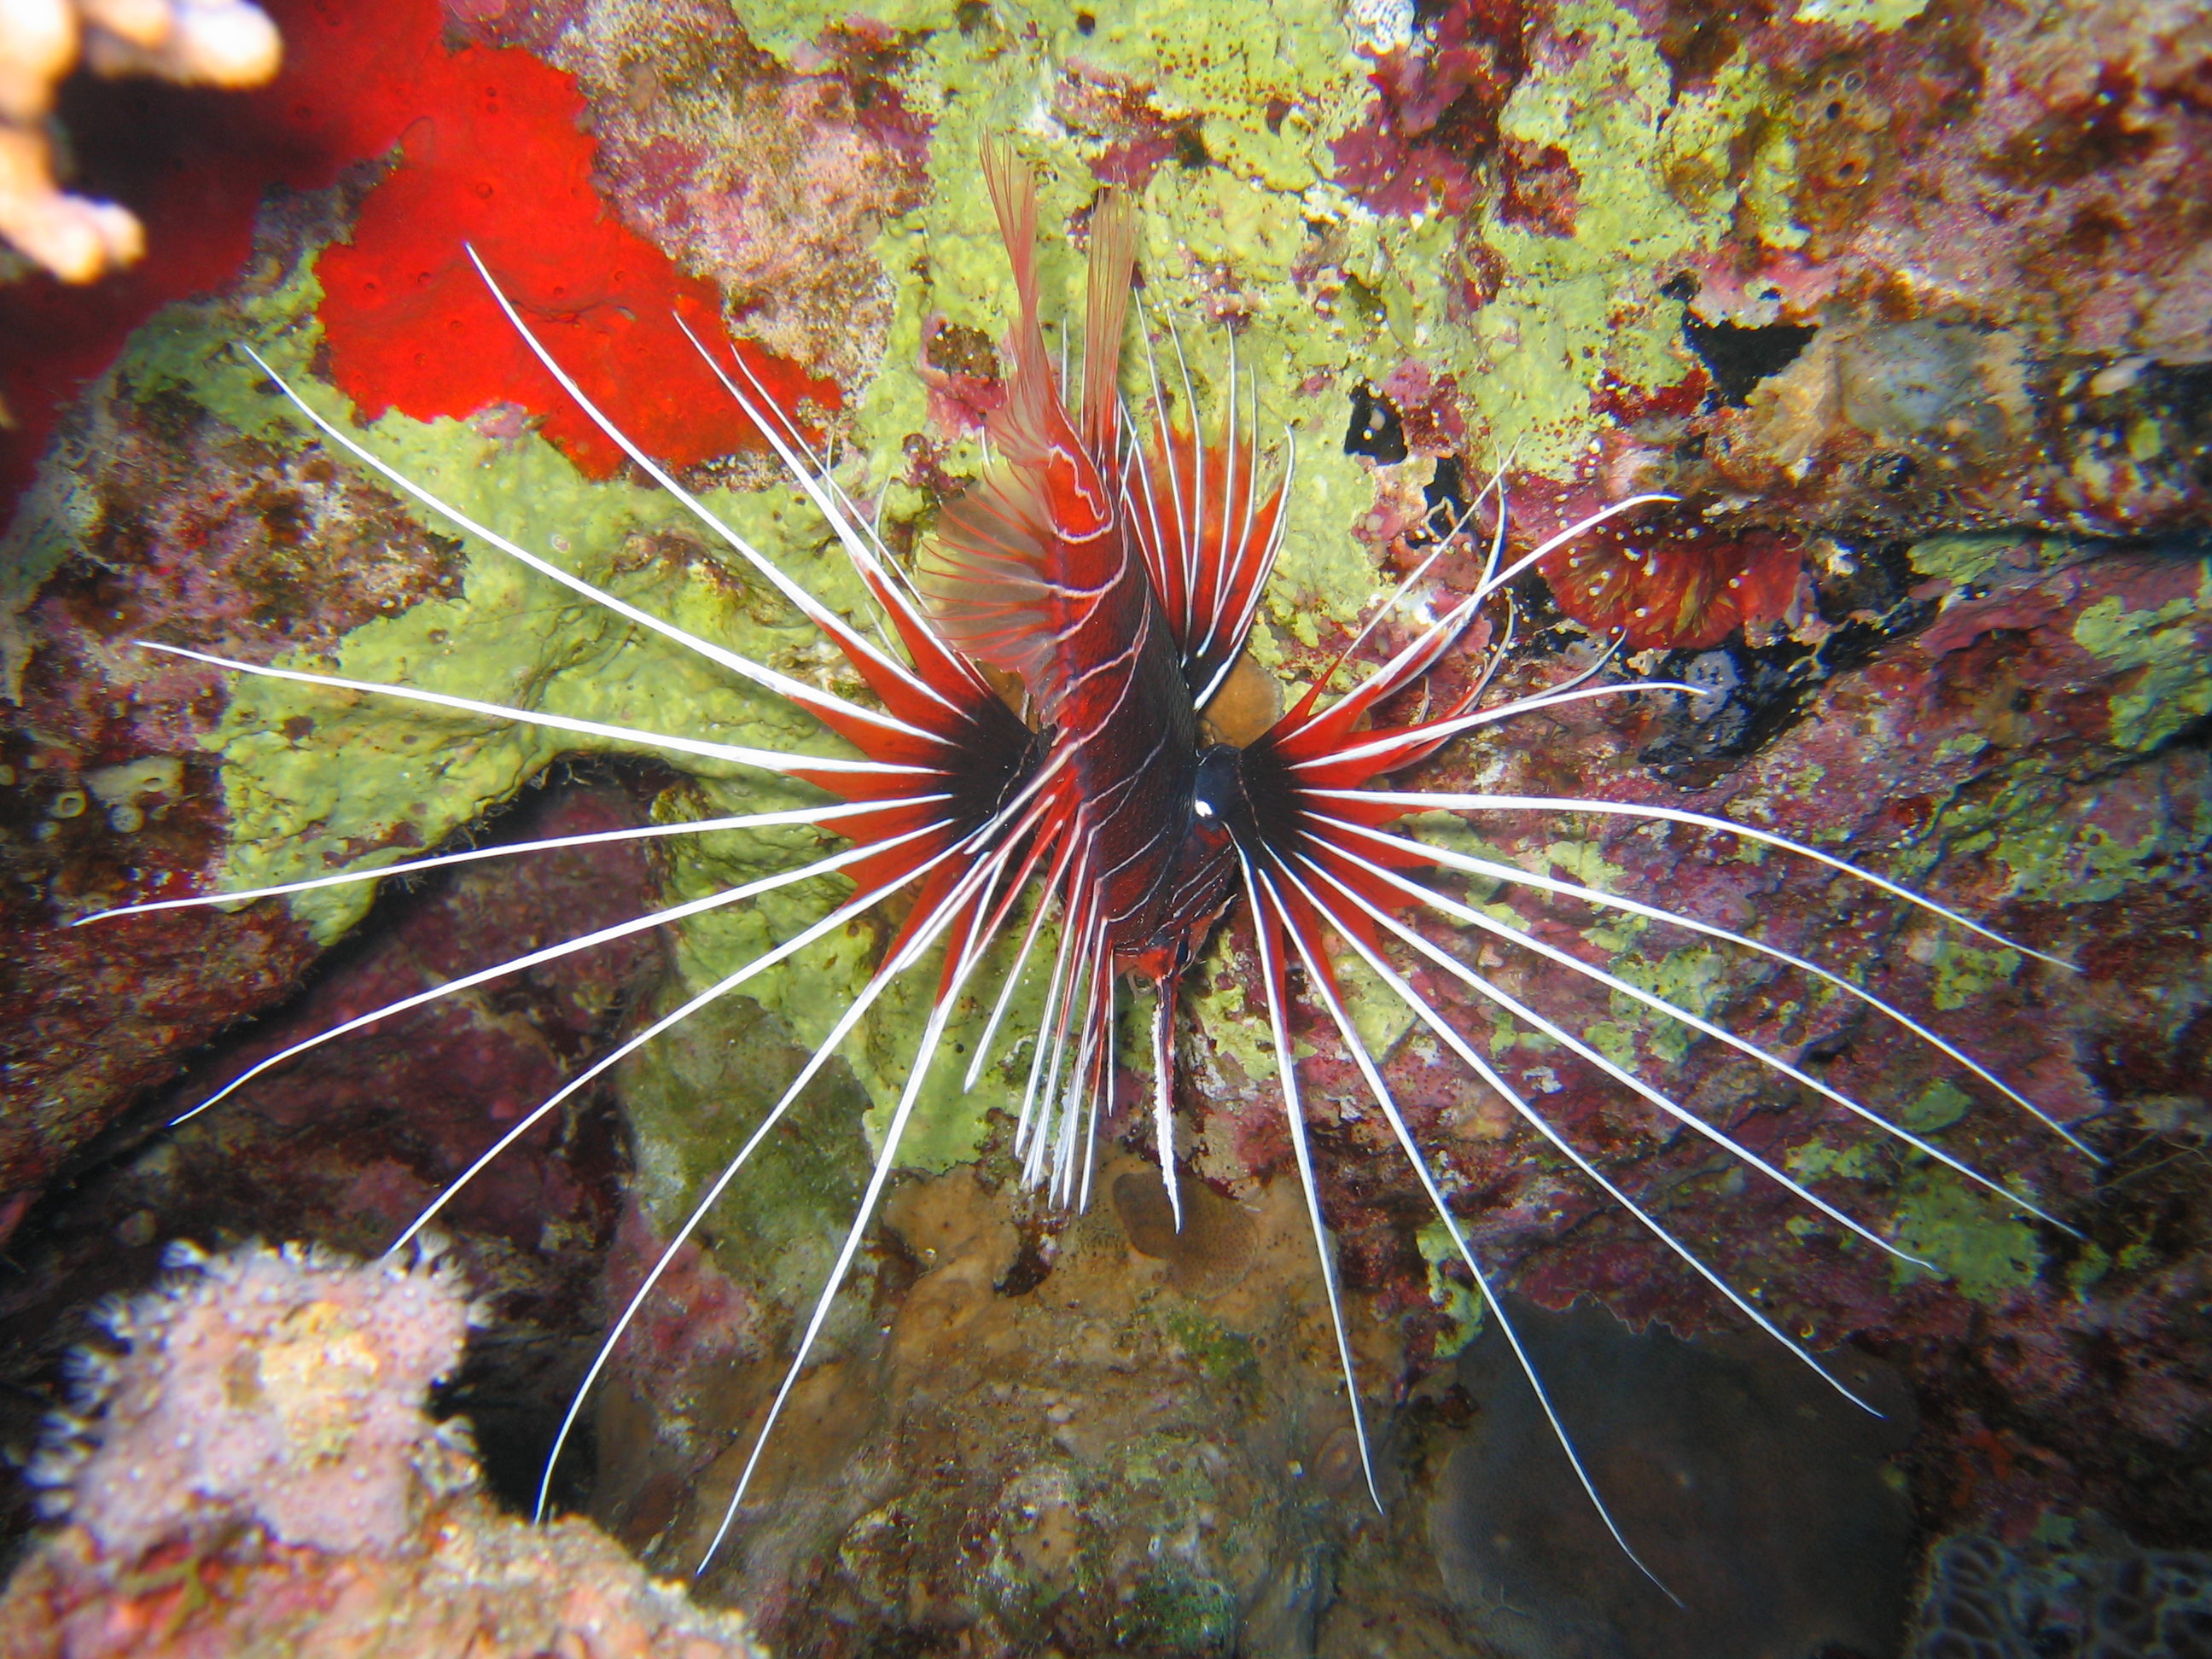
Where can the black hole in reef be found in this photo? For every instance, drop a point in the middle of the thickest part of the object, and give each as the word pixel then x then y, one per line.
pixel 1891 471
pixel 1446 494
pixel 1376 431
pixel 1739 358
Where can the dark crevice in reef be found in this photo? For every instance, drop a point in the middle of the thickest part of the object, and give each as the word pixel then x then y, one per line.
pixel 1446 495
pixel 1738 357
pixel 1764 690
pixel 344 1145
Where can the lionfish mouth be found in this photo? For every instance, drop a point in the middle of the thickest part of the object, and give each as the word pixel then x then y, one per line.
pixel 1111 566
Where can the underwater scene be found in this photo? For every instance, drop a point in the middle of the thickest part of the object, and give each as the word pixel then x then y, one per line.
pixel 1328 830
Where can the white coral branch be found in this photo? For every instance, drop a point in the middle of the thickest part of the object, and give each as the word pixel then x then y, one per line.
pixel 223 43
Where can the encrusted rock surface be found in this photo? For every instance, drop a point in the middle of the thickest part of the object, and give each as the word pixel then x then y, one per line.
pixel 249 1469
pixel 1908 302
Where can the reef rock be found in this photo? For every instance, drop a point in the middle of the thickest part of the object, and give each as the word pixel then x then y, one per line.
pixel 1905 301
pixel 254 1472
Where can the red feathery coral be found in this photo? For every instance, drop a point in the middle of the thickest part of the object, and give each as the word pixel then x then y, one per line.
pixel 1668 580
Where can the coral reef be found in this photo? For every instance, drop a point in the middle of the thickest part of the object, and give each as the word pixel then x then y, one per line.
pixel 285 1385
pixel 1129 1433
pixel 253 1472
pixel 347 1154
pixel 772 180
pixel 1906 302
pixel 1982 1601
pixel 220 43
pixel 1757 1496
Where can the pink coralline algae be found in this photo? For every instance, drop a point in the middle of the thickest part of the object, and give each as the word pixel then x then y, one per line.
pixel 2002 294
pixel 770 181
pixel 1434 120
pixel 254 1473
pixel 217 540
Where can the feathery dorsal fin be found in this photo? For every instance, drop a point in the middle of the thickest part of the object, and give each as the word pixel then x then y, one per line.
pixel 1020 558
pixel 1021 428
pixel 1106 313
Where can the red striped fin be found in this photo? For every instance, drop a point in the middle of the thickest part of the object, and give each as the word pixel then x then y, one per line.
pixel 1207 536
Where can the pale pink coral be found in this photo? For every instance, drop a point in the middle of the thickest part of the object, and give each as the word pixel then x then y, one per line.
pixel 264 1481
pixel 282 1383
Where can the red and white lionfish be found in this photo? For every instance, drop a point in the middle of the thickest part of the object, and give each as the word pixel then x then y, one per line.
pixel 1039 753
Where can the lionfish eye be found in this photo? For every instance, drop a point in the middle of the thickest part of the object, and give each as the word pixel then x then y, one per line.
pixel 1218 791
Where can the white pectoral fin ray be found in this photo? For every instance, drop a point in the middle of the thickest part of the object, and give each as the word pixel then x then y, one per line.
pixel 766 760
pixel 1557 1033
pixel 553 953
pixel 1458 803
pixel 852 1017
pixel 961 899
pixel 1512 873
pixel 807 815
pixel 1473 918
pixel 808 605
pixel 1261 892
pixel 1452 1039
pixel 783 684
pixel 1319 982
pixel 843 913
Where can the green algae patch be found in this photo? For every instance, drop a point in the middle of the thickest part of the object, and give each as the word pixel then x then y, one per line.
pixel 1986 1249
pixel 2057 842
pixel 695 1094
pixel 1694 979
pixel 1965 973
pixel 369 778
pixel 1971 560
pixel 1173 1609
pixel 1220 1009
pixel 1224 1355
pixel 1855 1160
pixel 1461 1305
pixel 2174 687
pixel 1882 15
pixel 1938 1106
pixel 814 988
pixel 1379 1015
pixel 1657 180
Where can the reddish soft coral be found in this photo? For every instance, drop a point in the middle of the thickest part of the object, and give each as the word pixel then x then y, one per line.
pixel 1665 578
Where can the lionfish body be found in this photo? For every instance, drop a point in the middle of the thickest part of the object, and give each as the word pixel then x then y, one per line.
pixel 1040 752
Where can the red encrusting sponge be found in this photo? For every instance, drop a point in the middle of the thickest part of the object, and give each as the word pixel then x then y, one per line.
pixel 497 160
pixel 490 151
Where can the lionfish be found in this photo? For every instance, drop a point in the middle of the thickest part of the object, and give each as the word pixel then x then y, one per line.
pixel 1038 748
